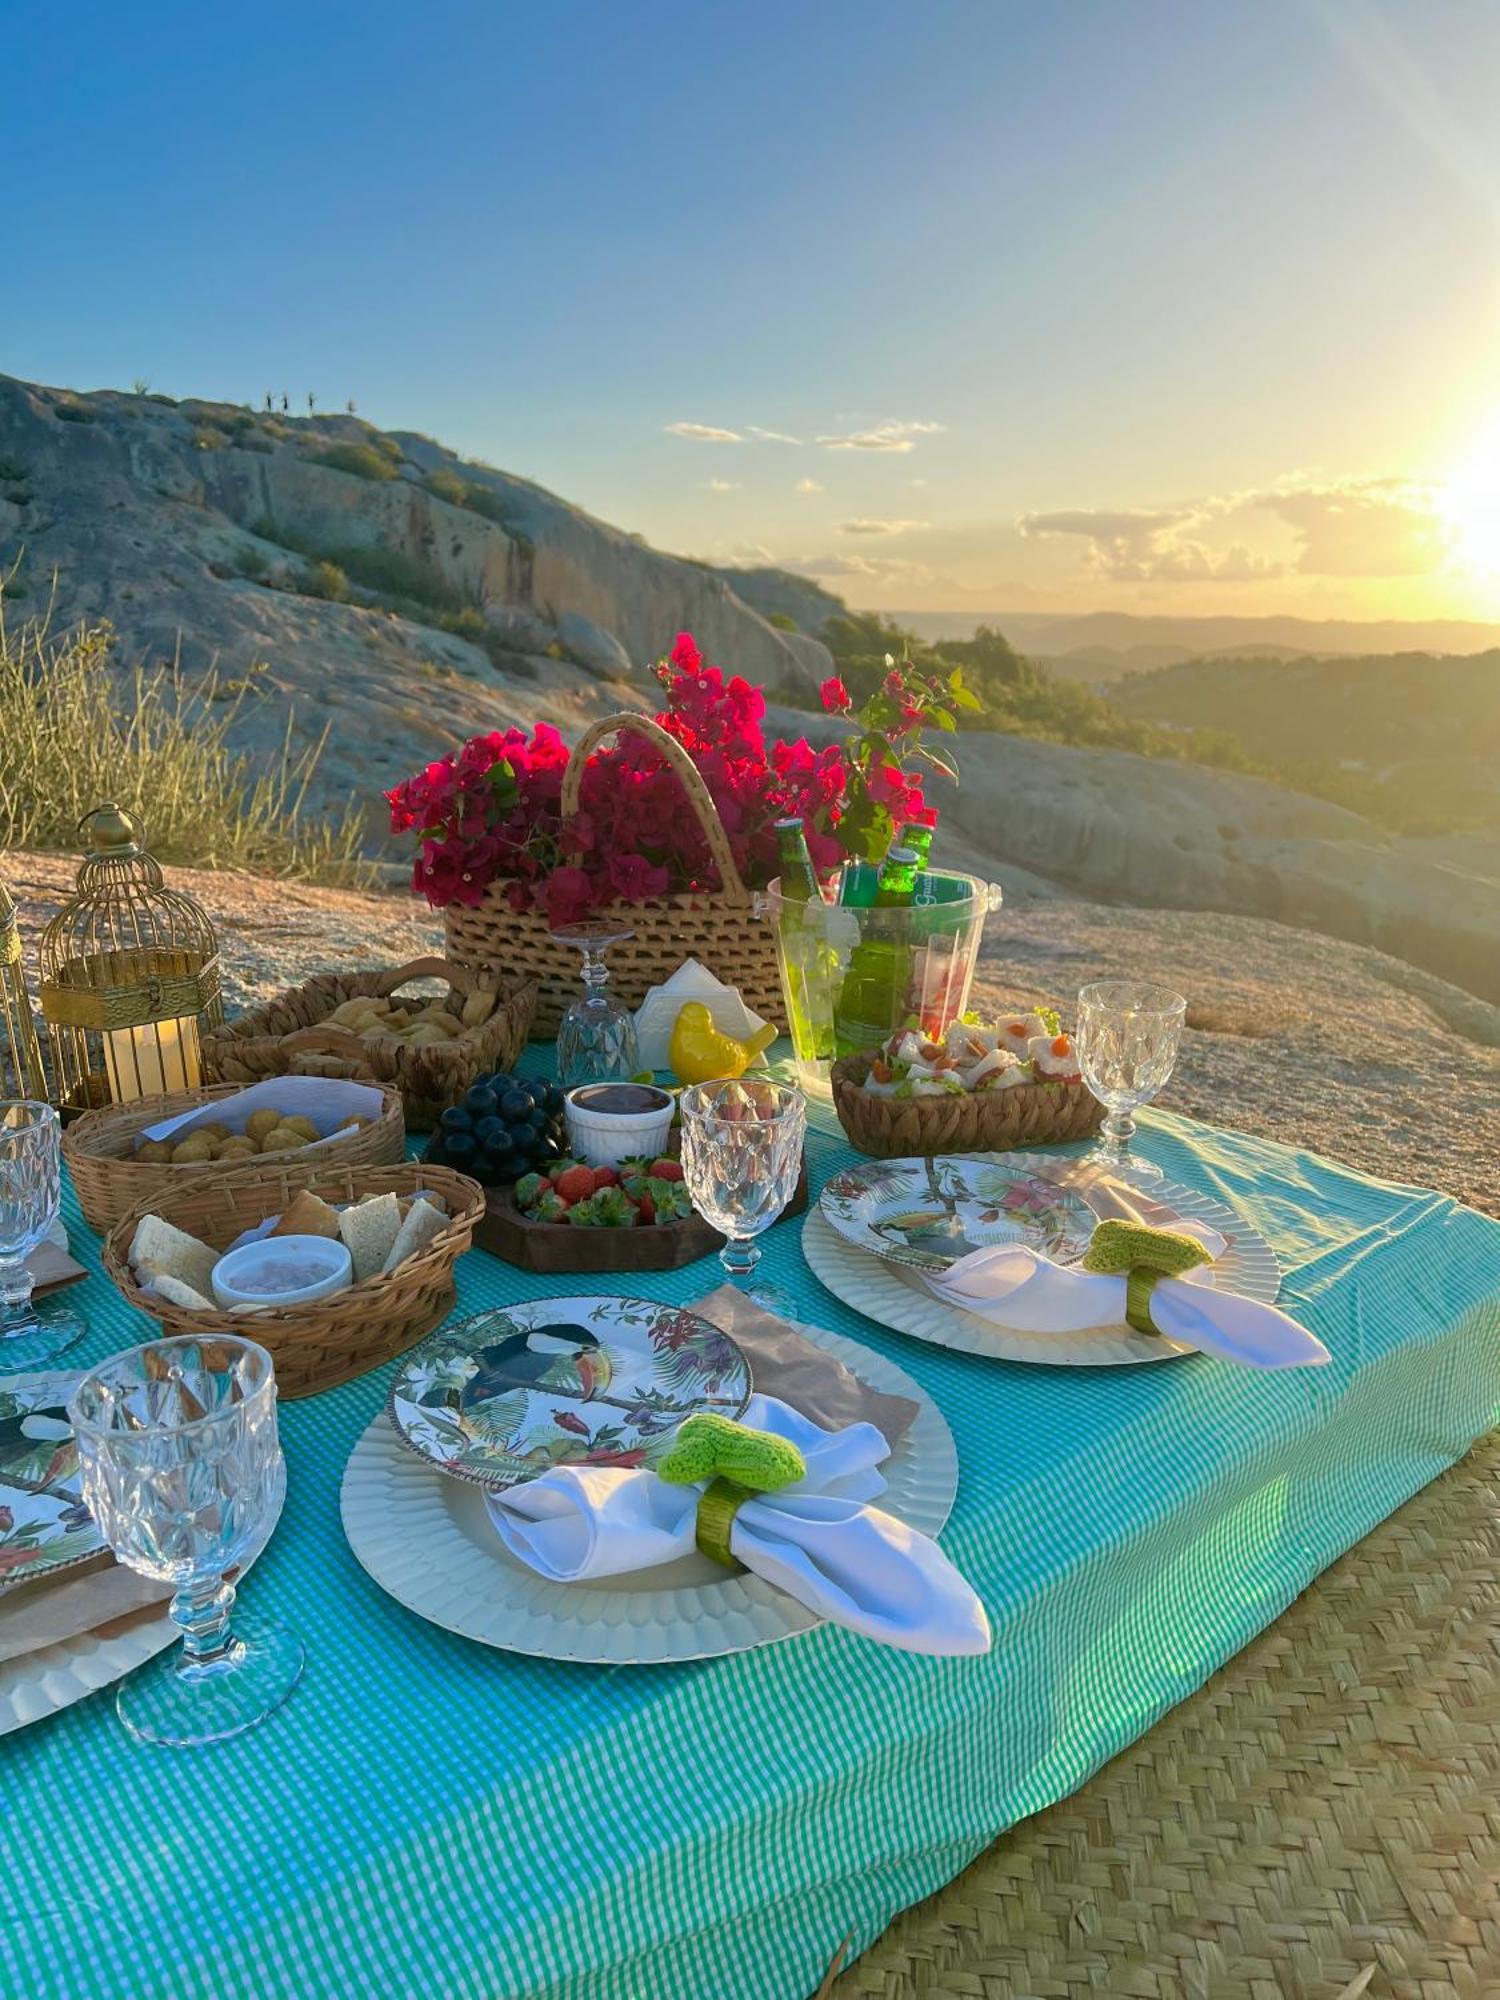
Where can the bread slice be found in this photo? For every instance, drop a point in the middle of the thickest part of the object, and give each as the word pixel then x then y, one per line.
pixel 423 1221
pixel 369 1229
pixel 308 1215
pixel 176 1293
pixel 158 1249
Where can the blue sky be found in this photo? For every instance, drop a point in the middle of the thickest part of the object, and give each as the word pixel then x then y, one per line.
pixel 1167 306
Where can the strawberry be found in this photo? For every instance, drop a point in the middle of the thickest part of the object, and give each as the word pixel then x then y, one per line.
pixel 666 1170
pixel 577 1184
pixel 645 1209
pixel 605 1177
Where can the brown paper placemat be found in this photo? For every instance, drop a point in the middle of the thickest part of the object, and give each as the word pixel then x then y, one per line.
pixel 784 1364
pixel 82 1600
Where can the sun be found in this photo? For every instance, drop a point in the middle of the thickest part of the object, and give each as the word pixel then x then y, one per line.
pixel 1469 499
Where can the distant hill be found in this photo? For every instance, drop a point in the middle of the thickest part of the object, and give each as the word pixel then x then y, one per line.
pixel 1106 645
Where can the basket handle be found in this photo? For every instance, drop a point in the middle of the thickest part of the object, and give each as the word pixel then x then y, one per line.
pixel 330 1041
pixel 459 977
pixel 699 796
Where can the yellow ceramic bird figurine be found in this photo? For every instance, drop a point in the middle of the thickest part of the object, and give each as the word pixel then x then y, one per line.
pixel 700 1052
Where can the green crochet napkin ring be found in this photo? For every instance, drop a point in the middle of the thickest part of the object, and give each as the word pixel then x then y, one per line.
pixel 1145 1256
pixel 738 1463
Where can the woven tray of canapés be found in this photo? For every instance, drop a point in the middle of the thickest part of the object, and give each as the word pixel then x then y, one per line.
pixel 980 1088
pixel 116 1163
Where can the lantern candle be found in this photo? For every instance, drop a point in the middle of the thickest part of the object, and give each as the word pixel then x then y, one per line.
pixel 145 1062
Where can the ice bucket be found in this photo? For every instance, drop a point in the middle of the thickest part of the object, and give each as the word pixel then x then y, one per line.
pixel 851 975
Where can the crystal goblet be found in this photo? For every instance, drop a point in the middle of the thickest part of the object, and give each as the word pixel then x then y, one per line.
pixel 741 1158
pixel 32 1331
pixel 596 1039
pixel 182 1472
pixel 1127 1037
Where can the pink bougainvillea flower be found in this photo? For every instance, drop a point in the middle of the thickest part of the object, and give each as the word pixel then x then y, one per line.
pixel 835 696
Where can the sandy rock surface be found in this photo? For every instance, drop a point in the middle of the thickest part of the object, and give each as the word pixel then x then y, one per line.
pixel 1293 1036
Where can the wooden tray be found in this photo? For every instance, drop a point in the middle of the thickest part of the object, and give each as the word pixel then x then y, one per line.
pixel 556 1246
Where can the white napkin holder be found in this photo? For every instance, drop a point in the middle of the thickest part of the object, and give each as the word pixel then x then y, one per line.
pixel 657 1014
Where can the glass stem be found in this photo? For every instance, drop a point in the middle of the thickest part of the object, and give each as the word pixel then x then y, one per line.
pixel 200 1611
pixel 1115 1135
pixel 739 1257
pixel 15 1292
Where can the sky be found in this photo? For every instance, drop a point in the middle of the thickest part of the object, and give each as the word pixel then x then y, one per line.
pixel 1158 305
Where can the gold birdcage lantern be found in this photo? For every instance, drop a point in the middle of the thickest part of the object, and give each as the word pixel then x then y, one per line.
pixel 21 1072
pixel 130 974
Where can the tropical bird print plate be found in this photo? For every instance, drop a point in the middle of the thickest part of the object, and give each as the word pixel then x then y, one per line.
pixel 44 1525
pixel 584 1381
pixel 927 1213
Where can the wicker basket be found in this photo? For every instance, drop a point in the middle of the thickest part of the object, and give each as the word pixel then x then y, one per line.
pixel 718 927
pixel 982 1121
pixel 331 1340
pixel 291 1035
pixel 99 1148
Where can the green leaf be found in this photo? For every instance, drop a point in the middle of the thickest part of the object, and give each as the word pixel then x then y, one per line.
pixel 943 717
pixel 940 759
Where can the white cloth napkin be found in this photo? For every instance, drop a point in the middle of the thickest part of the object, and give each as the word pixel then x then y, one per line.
pixel 1015 1287
pixel 1111 1199
pixel 819 1540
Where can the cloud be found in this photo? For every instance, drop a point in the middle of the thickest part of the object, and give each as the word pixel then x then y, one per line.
pixel 807 486
pixel 889 436
pixel 721 486
pixel 1340 528
pixel 769 437
pixel 704 433
pixel 862 526
pixel 884 568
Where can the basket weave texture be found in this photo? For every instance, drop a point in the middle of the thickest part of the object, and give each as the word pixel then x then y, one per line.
pixel 333 1339
pixel 99 1149
pixel 719 927
pixel 291 1036
pixel 981 1121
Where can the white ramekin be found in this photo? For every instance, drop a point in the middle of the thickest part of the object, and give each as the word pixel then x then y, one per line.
pixel 234 1274
pixel 604 1138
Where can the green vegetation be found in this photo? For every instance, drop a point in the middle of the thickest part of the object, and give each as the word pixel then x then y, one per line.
pixel 72 413
pixel 162 752
pixel 11 471
pixel 445 484
pixel 781 621
pixel 363 460
pixel 327 580
pixel 1410 740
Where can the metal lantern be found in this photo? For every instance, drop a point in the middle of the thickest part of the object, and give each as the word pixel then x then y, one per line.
pixel 20 1055
pixel 130 974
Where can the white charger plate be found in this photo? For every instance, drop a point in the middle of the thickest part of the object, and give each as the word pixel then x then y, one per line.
pixel 897 1298
pixel 427 1540
pixel 39 1684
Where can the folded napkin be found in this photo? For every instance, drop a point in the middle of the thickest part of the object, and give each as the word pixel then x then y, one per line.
pixel 1015 1287
pixel 101 1597
pixel 1116 1200
pixel 818 1539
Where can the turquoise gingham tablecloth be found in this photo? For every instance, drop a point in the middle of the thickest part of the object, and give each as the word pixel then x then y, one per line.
pixel 431 1820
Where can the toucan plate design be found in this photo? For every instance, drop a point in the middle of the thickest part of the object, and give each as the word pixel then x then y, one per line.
pixel 509 1394
pixel 44 1525
pixel 928 1213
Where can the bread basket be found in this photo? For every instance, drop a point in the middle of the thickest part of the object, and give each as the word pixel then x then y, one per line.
pixel 979 1121
pixel 291 1035
pixel 331 1340
pixel 99 1149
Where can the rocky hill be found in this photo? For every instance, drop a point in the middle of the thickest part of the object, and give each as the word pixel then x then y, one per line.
pixel 399 594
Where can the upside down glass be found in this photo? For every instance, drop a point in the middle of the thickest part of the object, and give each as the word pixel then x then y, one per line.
pixel 741 1159
pixel 1127 1039
pixel 596 1038
pixel 32 1331
pixel 183 1474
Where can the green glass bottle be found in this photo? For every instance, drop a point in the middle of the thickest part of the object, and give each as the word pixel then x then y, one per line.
pixel 799 879
pixel 872 1003
pixel 918 838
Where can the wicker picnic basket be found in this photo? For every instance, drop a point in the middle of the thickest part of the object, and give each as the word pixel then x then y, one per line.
pixel 720 927
pixel 982 1121
pixel 99 1149
pixel 291 1034
pixel 334 1339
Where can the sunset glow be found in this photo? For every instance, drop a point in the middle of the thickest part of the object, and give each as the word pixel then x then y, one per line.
pixel 1470 503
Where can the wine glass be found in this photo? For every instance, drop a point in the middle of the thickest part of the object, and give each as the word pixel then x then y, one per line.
pixel 183 1475
pixel 1127 1039
pixel 32 1331
pixel 741 1158
pixel 596 1040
